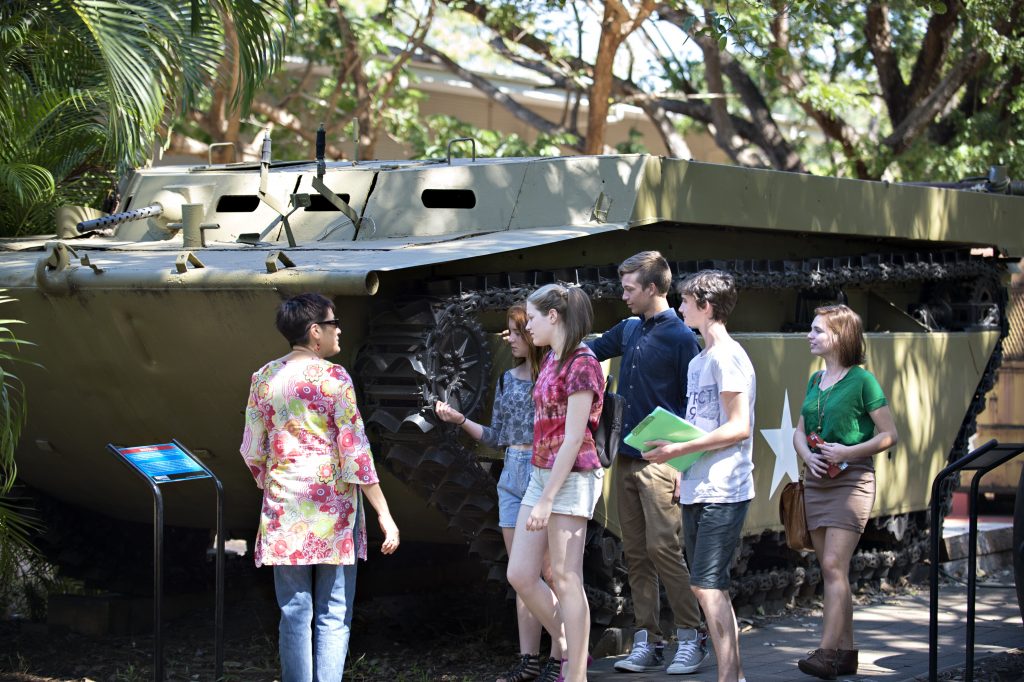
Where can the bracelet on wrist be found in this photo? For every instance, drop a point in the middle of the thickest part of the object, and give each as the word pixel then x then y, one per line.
pixel 464 420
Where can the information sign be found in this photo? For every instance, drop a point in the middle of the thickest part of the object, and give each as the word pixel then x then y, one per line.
pixel 163 463
pixel 167 463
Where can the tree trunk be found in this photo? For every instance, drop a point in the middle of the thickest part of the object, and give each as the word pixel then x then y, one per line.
pixel 224 119
pixel 601 88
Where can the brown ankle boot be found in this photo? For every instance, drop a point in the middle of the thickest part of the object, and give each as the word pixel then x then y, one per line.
pixel 821 663
pixel 846 662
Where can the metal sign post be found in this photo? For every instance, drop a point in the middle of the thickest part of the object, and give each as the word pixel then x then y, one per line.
pixel 159 465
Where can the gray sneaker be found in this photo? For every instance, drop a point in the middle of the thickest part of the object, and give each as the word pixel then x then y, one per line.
pixel 692 651
pixel 644 657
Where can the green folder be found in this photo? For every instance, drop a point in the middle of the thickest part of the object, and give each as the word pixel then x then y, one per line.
pixel 663 425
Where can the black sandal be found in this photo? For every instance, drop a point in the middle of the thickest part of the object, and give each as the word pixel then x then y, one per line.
pixel 528 668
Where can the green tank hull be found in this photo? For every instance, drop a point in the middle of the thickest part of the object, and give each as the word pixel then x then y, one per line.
pixel 150 331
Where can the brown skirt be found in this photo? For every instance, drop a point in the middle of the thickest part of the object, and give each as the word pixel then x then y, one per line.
pixel 841 502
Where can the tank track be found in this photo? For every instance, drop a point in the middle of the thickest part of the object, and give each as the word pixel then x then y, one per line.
pixel 416 355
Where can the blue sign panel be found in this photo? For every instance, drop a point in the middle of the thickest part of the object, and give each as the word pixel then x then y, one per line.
pixel 163 463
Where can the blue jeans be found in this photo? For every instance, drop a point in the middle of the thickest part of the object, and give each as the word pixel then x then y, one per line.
pixel 316 616
pixel 515 477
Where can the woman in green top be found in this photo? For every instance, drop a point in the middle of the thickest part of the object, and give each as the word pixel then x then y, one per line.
pixel 844 422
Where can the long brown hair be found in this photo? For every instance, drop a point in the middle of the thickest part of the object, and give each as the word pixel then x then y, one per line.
pixel 849 331
pixel 517 323
pixel 574 310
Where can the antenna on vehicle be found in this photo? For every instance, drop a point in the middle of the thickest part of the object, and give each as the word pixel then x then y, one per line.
pixel 321 146
pixel 269 200
pixel 355 140
pixel 325 191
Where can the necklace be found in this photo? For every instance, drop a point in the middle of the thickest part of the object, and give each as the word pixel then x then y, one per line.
pixel 822 404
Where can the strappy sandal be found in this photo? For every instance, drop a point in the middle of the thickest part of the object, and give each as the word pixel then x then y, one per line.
pixel 528 668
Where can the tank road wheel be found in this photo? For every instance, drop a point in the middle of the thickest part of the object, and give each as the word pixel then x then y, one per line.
pixel 416 355
pixel 459 360
pixel 987 302
pixel 604 575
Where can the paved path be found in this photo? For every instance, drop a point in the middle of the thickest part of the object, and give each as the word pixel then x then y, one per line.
pixel 892 636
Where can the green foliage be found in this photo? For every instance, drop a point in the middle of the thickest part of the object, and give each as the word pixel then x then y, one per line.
pixel 826 44
pixel 431 140
pixel 26 578
pixel 325 90
pixel 981 141
pixel 19 585
pixel 634 145
pixel 87 85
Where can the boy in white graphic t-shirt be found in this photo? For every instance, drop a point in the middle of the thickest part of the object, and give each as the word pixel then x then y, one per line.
pixel 716 491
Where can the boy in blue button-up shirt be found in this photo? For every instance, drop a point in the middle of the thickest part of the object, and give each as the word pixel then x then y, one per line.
pixel 656 348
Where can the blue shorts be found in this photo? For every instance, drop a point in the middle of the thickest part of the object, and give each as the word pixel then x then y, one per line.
pixel 515 476
pixel 712 533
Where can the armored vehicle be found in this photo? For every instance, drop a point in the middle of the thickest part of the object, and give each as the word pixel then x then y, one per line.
pixel 149 321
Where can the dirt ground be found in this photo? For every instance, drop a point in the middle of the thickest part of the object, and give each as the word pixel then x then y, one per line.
pixel 452 636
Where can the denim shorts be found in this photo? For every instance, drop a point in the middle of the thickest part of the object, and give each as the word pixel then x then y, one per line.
pixel 712 533
pixel 515 476
pixel 577 497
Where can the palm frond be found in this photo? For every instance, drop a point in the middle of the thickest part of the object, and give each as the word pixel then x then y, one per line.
pixel 86 84
pixel 26 182
pixel 17 522
pixel 13 407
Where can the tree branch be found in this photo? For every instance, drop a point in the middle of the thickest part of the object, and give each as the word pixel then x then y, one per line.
pixel 352 65
pixel 616 25
pixel 483 85
pixel 878 33
pixel 291 122
pixel 932 54
pixel 793 81
pixel 765 132
pixel 527 40
pixel 904 134
pixel 301 86
pixel 723 129
pixel 657 108
pixel 414 42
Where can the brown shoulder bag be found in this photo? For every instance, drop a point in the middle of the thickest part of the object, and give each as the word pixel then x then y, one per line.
pixel 794 517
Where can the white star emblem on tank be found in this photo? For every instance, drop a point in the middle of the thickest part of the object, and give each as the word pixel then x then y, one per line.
pixel 781 442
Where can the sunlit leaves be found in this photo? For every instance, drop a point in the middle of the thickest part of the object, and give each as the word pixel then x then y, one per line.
pixel 836 98
pixel 86 85
pixel 432 140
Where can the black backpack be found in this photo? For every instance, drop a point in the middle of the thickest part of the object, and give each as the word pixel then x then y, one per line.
pixel 608 434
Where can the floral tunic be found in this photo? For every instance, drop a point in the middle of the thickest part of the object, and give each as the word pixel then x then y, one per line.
pixel 305 445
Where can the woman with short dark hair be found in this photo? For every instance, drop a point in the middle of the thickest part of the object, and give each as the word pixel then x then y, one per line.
pixel 845 421
pixel 305 445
